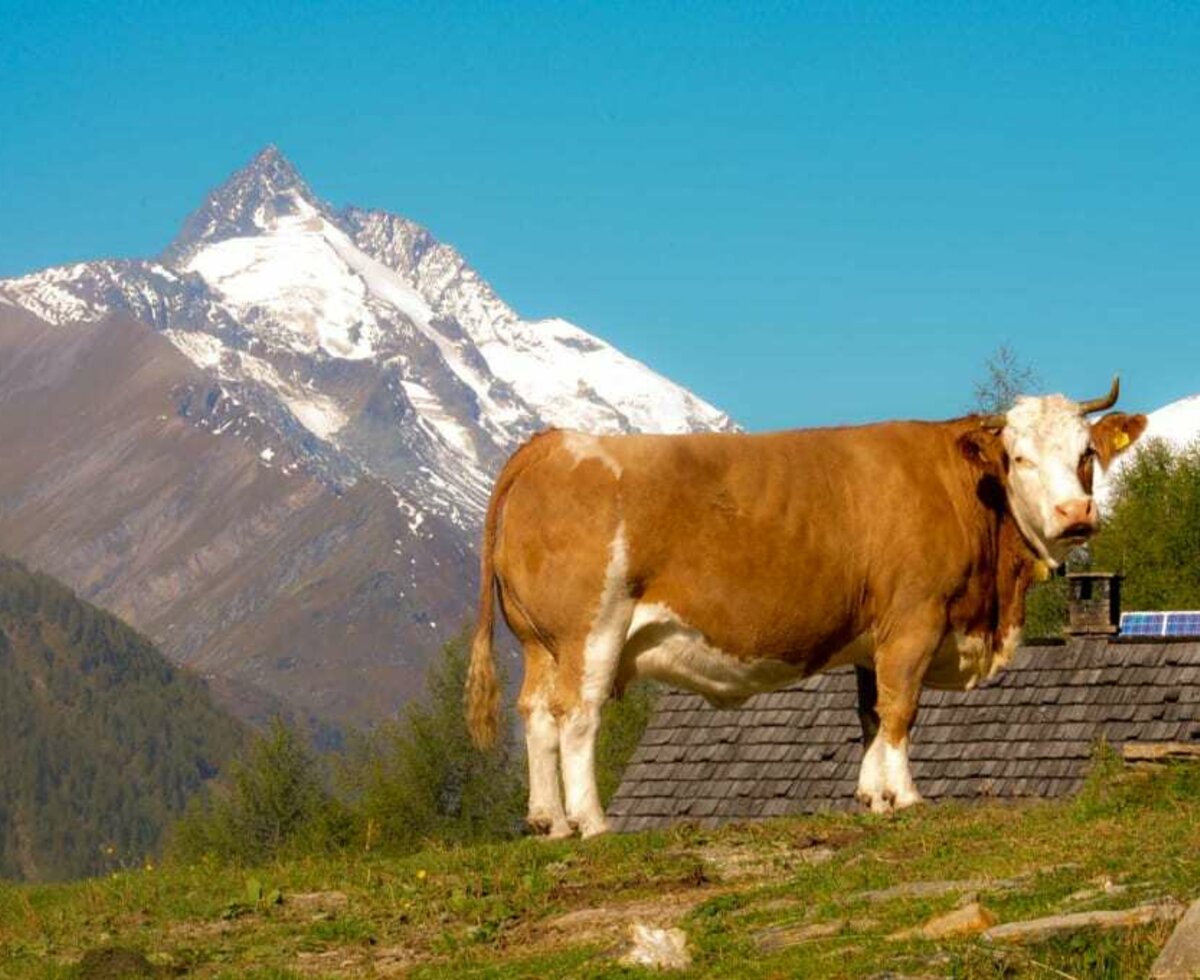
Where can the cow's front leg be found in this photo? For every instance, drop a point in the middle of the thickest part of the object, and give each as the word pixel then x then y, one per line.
pixel 885 780
pixel 872 784
pixel 868 696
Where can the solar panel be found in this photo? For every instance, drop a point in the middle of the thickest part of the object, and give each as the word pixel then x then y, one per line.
pixel 1142 623
pixel 1174 623
pixel 1182 624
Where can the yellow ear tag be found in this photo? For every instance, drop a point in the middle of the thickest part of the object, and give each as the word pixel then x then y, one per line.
pixel 1121 440
pixel 1041 571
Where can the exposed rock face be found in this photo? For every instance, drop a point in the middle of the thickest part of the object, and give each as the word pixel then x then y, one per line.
pixel 1180 958
pixel 282 585
pixel 1038 930
pixel 271 448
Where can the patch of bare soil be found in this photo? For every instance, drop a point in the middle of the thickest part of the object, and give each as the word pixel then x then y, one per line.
pixel 201 931
pixel 395 961
pixel 741 862
pixel 755 853
pixel 117 963
pixel 314 905
pixel 337 962
pixel 611 922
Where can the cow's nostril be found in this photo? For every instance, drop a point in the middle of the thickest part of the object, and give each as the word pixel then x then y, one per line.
pixel 1081 511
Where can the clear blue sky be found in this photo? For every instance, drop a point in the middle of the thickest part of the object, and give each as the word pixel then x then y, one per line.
pixel 808 213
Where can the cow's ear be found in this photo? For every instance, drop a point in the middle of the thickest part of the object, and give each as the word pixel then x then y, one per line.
pixel 1115 433
pixel 984 448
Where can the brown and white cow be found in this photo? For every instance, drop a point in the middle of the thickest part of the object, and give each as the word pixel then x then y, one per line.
pixel 732 564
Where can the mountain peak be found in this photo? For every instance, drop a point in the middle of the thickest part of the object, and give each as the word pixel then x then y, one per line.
pixel 263 188
pixel 271 167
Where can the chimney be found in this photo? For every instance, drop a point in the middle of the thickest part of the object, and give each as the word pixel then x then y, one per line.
pixel 1093 603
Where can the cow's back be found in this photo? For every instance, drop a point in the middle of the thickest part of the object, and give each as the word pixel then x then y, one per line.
pixel 778 545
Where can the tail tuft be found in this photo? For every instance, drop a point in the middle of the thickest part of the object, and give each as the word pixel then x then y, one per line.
pixel 483 690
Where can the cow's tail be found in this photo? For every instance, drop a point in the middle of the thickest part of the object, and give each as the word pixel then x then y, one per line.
pixel 482 696
pixel 483 689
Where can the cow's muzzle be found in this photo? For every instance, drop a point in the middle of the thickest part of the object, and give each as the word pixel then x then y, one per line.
pixel 1079 519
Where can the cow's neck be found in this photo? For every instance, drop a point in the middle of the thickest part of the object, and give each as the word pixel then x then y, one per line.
pixel 1016 571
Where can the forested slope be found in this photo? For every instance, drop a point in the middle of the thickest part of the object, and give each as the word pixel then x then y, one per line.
pixel 101 739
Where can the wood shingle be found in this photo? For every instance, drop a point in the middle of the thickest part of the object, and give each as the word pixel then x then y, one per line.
pixel 1029 732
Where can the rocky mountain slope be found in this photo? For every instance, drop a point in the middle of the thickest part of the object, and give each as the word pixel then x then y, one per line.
pixel 271 447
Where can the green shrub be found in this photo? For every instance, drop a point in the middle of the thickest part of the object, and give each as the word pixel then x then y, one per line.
pixel 271 801
pixel 1152 532
pixel 421 778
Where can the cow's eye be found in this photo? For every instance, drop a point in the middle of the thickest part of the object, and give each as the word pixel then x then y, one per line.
pixel 1087 468
pixel 1024 462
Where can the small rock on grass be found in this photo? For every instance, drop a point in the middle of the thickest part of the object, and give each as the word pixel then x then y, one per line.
pixel 964 921
pixel 662 949
pixel 1104 886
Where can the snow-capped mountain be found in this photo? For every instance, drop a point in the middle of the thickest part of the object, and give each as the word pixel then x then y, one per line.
pixel 270 448
pixel 370 336
pixel 1177 424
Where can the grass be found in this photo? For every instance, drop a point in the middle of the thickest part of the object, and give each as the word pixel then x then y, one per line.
pixel 535 909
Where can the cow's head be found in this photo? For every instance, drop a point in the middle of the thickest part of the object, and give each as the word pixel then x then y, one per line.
pixel 1050 451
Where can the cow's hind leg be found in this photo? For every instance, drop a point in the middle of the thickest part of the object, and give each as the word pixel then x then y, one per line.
pixel 585 683
pixel 546 814
pixel 578 727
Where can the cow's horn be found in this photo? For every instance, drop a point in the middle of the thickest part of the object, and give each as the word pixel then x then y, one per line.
pixel 1101 404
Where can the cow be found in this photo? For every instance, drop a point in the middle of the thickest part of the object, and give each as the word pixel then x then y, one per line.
pixel 730 564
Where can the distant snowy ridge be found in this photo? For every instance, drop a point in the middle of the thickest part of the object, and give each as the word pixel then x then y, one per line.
pixel 1176 424
pixel 364 341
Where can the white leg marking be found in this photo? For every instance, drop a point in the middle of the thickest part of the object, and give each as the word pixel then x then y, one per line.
pixel 898 777
pixel 885 782
pixel 1008 646
pixel 546 814
pixel 601 657
pixel 579 770
pixel 871 778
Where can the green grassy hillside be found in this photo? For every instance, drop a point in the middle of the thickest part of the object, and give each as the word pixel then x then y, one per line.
pixel 790 898
pixel 103 740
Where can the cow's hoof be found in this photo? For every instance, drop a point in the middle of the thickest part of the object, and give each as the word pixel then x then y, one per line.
pixel 560 831
pixel 877 802
pixel 548 826
pixel 902 801
pixel 594 831
pixel 589 826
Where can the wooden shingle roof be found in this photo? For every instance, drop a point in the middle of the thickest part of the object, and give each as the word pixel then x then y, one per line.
pixel 1029 732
